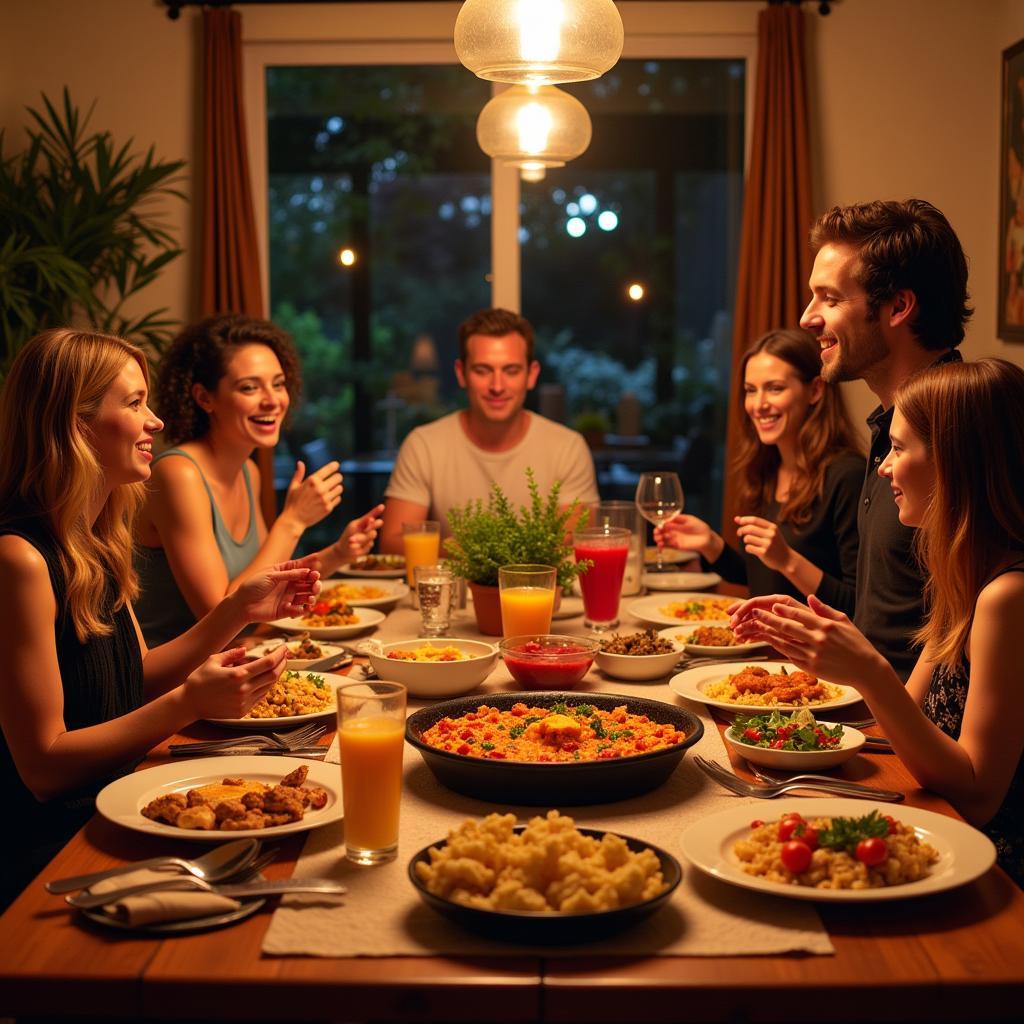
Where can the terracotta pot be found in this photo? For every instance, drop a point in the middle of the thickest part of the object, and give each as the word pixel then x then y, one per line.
pixel 487 605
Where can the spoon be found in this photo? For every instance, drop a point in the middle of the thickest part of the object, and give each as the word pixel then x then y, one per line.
pixel 222 862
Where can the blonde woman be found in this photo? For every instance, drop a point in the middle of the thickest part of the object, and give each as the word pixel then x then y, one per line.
pixel 800 473
pixel 955 467
pixel 225 387
pixel 83 698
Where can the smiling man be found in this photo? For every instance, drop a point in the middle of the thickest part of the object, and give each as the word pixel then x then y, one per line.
pixel 889 297
pixel 458 457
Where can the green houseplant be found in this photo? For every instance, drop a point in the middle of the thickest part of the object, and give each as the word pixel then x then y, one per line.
pixel 486 536
pixel 80 233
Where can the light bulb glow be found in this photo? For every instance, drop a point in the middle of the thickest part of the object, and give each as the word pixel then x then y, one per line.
pixel 540 30
pixel 575 227
pixel 635 292
pixel 533 123
pixel 347 257
pixel 607 220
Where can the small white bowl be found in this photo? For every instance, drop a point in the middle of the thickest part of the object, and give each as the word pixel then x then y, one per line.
pixel 640 666
pixel 800 760
pixel 295 664
pixel 435 678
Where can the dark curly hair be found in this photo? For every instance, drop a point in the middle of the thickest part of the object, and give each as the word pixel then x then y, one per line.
pixel 199 355
pixel 911 245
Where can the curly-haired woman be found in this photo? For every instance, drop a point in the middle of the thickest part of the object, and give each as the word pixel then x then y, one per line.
pixel 225 387
pixel 83 698
pixel 800 474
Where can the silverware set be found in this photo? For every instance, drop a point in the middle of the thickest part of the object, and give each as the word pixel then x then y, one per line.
pixel 770 789
pixel 296 743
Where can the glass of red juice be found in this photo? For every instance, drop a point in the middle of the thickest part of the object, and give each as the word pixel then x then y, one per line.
pixel 607 547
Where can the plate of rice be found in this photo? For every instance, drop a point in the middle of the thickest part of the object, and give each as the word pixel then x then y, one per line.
pixel 743 686
pixel 710 640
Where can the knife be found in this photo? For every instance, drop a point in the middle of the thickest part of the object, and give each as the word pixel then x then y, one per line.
pixel 331 661
pixel 184 750
pixel 260 887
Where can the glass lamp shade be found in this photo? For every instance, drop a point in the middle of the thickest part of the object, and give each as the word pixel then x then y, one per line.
pixel 538 42
pixel 533 128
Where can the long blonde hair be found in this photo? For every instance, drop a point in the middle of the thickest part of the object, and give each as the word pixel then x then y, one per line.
pixel 48 468
pixel 970 417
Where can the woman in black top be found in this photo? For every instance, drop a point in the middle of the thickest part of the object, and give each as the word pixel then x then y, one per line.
pixel 800 473
pixel 82 698
pixel 955 467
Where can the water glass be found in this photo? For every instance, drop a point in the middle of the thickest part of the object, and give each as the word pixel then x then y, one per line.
pixel 435 595
pixel 527 594
pixel 371 739
pixel 607 547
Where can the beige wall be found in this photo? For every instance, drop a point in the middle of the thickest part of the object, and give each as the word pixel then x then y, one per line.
pixel 905 96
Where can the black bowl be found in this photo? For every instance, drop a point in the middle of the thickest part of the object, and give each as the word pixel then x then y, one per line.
pixel 554 785
pixel 553 928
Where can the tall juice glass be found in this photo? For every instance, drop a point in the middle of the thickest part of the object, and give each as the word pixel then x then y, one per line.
pixel 607 547
pixel 422 542
pixel 527 594
pixel 371 737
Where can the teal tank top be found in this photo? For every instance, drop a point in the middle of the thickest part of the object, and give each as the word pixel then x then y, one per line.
pixel 161 609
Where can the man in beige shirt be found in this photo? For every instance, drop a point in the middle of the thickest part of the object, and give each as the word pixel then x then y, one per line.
pixel 458 457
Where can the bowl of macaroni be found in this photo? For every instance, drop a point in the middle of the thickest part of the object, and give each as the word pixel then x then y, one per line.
pixel 444 667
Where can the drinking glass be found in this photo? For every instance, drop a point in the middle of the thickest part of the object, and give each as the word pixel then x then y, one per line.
pixel 626 515
pixel 371 738
pixel 659 497
pixel 435 594
pixel 527 594
pixel 422 543
pixel 607 547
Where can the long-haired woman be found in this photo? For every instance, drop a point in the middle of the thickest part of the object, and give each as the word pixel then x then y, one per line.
pixel 955 466
pixel 225 387
pixel 82 698
pixel 800 474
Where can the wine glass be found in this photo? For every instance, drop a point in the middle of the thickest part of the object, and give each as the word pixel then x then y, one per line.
pixel 659 497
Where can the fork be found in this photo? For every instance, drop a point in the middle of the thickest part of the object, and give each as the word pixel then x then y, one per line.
pixel 766 792
pixel 775 778
pixel 282 740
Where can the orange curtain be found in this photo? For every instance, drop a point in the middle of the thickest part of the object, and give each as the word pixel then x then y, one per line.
pixel 775 261
pixel 230 280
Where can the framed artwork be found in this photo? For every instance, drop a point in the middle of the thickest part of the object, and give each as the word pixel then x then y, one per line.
pixel 1011 198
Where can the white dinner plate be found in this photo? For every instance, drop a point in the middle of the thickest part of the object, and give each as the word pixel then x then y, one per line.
pixel 681 632
pixel 291 721
pixel 296 664
pixel 681 580
pixel 367 619
pixel 122 801
pixel 394 591
pixel 569 608
pixel 668 555
pixel 690 684
pixel 964 853
pixel 354 569
pixel 649 608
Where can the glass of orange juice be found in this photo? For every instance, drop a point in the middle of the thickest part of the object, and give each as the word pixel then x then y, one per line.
pixel 527 594
pixel 371 738
pixel 422 541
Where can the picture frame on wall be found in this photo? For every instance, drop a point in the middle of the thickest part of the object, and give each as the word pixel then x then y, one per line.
pixel 1011 198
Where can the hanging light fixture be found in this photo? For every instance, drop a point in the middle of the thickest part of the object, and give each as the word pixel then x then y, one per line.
pixel 533 128
pixel 538 42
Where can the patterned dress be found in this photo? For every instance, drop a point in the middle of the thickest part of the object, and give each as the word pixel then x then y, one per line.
pixel 944 704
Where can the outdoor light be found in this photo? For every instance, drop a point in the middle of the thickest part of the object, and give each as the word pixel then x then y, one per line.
pixel 533 128
pixel 347 257
pixel 532 172
pixel 635 292
pixel 538 42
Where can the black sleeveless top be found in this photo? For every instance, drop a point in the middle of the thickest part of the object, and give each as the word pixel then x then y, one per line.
pixel 102 680
pixel 944 704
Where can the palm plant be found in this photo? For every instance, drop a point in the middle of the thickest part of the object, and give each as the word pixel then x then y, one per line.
pixel 78 233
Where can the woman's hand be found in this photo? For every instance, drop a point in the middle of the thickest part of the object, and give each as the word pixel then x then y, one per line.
pixel 279 591
pixel 816 638
pixel 226 685
pixel 688 533
pixel 311 498
pixel 358 537
pixel 764 540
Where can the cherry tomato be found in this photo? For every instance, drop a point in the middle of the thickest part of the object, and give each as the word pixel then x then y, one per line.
pixel 321 608
pixel 777 744
pixel 872 851
pixel 796 856
pixel 809 835
pixel 752 734
pixel 783 732
pixel 791 814
pixel 756 823
pixel 892 822
pixel 787 827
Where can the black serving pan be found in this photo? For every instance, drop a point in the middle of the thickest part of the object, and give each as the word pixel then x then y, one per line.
pixel 553 785
pixel 552 928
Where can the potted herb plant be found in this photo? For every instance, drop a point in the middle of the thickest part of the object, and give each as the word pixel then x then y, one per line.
pixel 486 536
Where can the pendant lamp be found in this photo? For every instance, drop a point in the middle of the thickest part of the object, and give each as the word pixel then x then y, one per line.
pixel 538 42
pixel 533 128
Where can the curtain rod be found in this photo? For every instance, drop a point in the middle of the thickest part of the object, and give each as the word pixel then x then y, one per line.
pixel 174 6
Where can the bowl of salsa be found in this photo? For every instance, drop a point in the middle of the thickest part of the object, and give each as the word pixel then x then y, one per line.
pixel 548 661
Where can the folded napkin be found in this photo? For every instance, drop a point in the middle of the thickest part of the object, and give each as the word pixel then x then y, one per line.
pixel 157 907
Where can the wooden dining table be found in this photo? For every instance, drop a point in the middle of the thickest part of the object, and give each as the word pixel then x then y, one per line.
pixel 949 956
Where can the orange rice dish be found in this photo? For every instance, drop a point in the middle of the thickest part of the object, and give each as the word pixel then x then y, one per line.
pixel 711 609
pixel 330 611
pixel 756 686
pixel 560 733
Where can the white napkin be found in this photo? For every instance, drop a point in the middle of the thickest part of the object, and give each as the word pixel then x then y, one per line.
pixel 165 905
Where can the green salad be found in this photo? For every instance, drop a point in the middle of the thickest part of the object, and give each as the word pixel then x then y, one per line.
pixel 777 731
